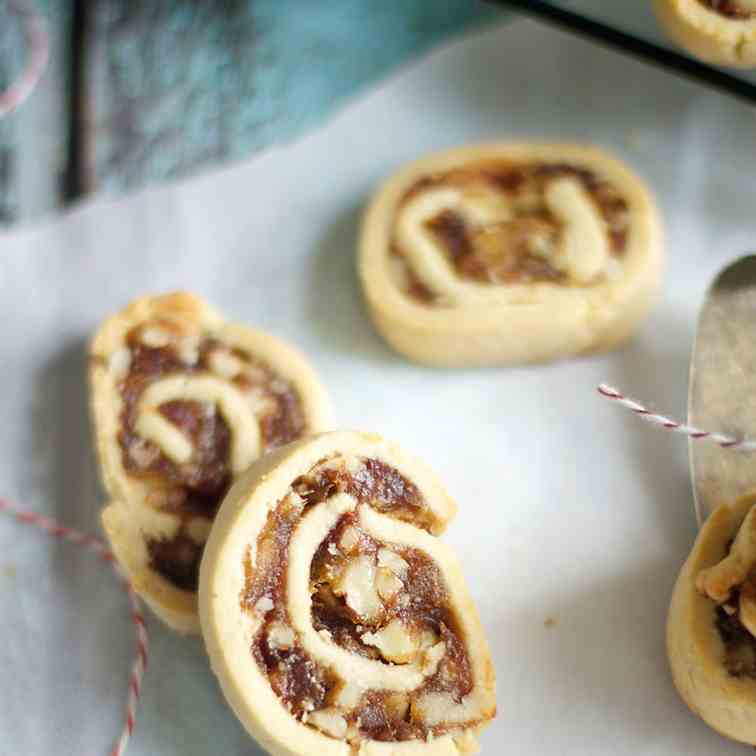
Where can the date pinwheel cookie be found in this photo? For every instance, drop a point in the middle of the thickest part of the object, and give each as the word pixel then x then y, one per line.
pixel 336 620
pixel 510 253
pixel 711 630
pixel 182 403
pixel 722 32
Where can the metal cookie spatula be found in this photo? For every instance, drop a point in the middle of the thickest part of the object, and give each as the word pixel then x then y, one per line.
pixel 722 393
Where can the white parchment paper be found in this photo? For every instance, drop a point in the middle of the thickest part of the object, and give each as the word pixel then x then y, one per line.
pixel 570 509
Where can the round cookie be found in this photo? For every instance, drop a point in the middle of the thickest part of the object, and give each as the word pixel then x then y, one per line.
pixel 722 32
pixel 336 620
pixel 500 254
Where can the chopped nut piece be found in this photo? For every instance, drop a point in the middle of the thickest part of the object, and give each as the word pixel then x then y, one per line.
pixel 349 695
pixel 292 504
pixel 441 708
pixel 387 583
pixel 224 363
pixel 143 453
pixel 357 584
pixel 349 539
pixel 353 465
pixel 392 560
pixel 280 636
pixel 264 605
pixel 432 658
pixel 329 721
pixel 155 337
pixel 428 638
pixel 394 642
pixel 500 248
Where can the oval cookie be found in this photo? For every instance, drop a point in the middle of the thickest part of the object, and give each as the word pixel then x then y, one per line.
pixel 182 403
pixel 510 253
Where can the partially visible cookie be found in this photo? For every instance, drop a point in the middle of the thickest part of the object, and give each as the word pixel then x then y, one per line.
pixel 711 630
pixel 500 254
pixel 182 404
pixel 722 32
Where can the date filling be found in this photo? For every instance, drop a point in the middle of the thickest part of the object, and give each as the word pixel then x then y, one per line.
pixel 520 246
pixel 376 600
pixel 730 9
pixel 193 488
pixel 731 585
pixel 739 645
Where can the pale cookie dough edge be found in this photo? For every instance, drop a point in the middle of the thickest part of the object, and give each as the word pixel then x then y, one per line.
pixel 707 34
pixel 727 704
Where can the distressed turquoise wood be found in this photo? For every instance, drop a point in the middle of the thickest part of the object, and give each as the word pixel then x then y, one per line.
pixel 171 86
pixel 177 85
pixel 34 139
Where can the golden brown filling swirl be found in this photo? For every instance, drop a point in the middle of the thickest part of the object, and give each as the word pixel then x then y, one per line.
pixel 729 9
pixel 375 600
pixel 516 239
pixel 193 487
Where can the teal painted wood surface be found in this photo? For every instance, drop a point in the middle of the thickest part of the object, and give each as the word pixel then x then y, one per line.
pixel 33 140
pixel 172 86
pixel 177 85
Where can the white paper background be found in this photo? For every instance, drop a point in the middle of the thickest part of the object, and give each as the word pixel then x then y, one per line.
pixel 569 508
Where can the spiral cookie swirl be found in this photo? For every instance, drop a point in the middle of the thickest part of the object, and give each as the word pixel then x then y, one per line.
pixel 336 620
pixel 182 404
pixel 722 32
pixel 501 254
pixel 711 630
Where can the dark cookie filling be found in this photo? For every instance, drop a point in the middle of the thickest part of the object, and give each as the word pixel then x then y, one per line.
pixel 177 559
pixel 503 253
pixel 422 604
pixel 728 8
pixel 194 488
pixel 500 253
pixel 739 644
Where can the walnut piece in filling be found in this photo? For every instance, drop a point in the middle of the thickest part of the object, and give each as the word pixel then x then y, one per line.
pixel 188 461
pixel 499 226
pixel 375 600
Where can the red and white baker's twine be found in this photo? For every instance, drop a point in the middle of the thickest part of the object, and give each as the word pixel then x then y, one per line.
pixel 35 32
pixel 96 546
pixel 722 439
